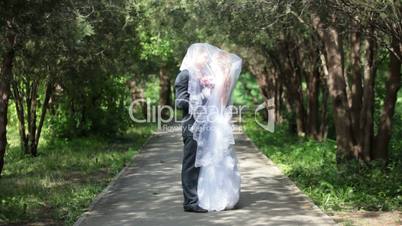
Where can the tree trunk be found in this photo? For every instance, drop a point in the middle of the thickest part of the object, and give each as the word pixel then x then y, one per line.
pixel 365 141
pixel 337 90
pixel 6 76
pixel 32 118
pixel 48 93
pixel 324 96
pixel 30 136
pixel 282 64
pixel 356 82
pixel 267 84
pixel 312 92
pixel 165 87
pixel 19 107
pixel 165 90
pixel 392 86
pixel 323 130
pixel 294 68
pixel 137 93
pixel 278 99
pixel 265 75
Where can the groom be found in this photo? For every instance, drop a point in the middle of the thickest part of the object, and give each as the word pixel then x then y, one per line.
pixel 189 173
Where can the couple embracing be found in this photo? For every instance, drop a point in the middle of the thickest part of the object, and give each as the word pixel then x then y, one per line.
pixel 210 177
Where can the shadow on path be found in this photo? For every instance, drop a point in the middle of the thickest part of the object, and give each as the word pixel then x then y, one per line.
pixel 148 192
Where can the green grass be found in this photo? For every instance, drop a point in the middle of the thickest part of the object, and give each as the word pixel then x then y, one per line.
pixel 311 165
pixel 59 184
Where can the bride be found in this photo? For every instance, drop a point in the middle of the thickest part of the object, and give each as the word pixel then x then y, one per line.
pixel 210 88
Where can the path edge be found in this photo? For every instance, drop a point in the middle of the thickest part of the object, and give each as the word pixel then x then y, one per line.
pixel 292 183
pixel 100 195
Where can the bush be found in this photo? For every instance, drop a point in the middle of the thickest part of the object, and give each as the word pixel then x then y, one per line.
pixel 94 105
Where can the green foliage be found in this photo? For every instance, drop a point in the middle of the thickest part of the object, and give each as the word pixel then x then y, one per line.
pixel 83 28
pixel 312 166
pixel 152 91
pixel 396 143
pixel 160 30
pixel 155 46
pixel 59 184
pixel 91 105
pixel 247 91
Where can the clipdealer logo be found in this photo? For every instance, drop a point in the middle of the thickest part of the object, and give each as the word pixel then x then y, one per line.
pixel 158 113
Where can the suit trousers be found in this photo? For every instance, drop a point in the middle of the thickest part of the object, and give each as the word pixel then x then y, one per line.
pixel 189 173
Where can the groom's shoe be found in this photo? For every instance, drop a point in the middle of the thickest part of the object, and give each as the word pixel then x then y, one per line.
pixel 196 209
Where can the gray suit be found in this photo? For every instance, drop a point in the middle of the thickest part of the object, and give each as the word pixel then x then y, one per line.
pixel 189 173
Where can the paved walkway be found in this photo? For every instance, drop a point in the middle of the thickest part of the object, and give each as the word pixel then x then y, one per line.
pixel 148 192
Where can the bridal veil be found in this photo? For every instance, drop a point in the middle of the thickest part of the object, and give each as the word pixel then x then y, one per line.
pixel 213 75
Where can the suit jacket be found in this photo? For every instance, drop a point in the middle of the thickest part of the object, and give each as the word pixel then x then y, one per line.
pixel 182 101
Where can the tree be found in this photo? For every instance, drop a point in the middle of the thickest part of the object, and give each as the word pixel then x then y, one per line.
pixel 19 19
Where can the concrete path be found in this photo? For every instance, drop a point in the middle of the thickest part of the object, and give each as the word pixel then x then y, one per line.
pixel 148 192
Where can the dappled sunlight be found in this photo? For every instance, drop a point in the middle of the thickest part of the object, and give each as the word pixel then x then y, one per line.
pixel 55 186
pixel 312 166
pixel 149 192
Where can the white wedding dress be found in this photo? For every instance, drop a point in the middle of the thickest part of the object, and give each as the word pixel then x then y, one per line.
pixel 219 183
pixel 213 75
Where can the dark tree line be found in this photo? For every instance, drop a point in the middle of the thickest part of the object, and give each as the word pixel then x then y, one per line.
pixel 321 59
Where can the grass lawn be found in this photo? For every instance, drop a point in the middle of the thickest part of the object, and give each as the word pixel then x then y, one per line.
pixel 311 165
pixel 58 185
